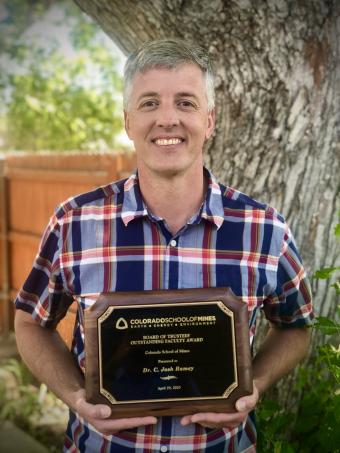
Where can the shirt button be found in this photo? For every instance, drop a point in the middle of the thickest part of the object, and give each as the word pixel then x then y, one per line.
pixel 164 448
pixel 173 243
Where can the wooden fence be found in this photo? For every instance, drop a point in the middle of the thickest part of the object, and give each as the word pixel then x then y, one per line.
pixel 31 186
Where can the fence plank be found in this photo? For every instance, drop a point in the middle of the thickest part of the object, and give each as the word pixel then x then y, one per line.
pixel 4 260
pixel 36 184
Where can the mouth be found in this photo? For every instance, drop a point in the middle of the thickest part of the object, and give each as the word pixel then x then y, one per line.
pixel 167 141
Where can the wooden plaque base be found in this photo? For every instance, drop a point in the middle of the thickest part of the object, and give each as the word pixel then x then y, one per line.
pixel 171 352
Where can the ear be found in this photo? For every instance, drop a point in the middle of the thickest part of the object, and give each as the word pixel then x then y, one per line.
pixel 211 123
pixel 127 123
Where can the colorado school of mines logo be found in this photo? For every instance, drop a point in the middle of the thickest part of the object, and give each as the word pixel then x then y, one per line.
pixel 121 324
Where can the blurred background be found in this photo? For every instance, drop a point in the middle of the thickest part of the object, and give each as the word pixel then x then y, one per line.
pixel 61 133
pixel 60 80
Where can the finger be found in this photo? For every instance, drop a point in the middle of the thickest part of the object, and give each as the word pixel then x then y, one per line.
pixel 219 420
pixel 247 403
pixel 213 417
pixel 209 417
pixel 113 426
pixel 225 425
pixel 127 423
pixel 93 411
pixel 186 420
pixel 244 405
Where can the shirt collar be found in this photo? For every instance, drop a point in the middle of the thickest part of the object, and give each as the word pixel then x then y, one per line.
pixel 133 204
pixel 134 207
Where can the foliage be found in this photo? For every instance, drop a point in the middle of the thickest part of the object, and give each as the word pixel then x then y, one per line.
pixel 26 404
pixel 15 391
pixel 325 272
pixel 15 17
pixel 62 102
pixel 50 110
pixel 313 427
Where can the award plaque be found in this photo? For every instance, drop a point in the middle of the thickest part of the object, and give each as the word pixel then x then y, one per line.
pixel 169 352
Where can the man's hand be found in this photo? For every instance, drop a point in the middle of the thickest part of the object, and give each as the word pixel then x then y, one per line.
pixel 51 362
pixel 98 416
pixel 225 420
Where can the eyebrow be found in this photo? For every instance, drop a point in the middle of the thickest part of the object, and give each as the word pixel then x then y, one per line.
pixel 186 94
pixel 177 95
pixel 148 94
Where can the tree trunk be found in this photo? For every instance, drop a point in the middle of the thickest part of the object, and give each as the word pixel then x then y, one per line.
pixel 277 66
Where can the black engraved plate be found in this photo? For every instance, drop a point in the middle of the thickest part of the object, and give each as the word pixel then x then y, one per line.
pixel 167 351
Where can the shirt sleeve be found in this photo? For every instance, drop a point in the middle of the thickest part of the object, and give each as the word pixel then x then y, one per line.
pixel 290 305
pixel 43 294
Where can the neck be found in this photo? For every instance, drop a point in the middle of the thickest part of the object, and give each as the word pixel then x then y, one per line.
pixel 174 198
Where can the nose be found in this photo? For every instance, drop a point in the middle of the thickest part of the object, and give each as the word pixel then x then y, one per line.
pixel 167 117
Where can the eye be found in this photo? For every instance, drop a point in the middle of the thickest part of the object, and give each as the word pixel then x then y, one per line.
pixel 149 104
pixel 187 105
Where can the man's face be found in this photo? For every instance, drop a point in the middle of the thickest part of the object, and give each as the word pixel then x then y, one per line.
pixel 168 120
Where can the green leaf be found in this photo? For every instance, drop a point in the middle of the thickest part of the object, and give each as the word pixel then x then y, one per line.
pixel 326 325
pixel 277 447
pixel 336 286
pixel 337 230
pixel 325 272
pixel 335 370
pixel 33 103
pixel 287 448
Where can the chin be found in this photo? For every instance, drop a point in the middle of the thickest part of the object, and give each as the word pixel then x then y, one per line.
pixel 170 171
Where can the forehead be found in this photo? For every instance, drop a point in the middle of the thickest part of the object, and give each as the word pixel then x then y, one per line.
pixel 181 78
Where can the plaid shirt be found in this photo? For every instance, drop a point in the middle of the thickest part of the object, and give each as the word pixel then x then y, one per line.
pixel 106 240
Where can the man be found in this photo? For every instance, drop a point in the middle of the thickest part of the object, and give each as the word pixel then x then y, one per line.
pixel 168 226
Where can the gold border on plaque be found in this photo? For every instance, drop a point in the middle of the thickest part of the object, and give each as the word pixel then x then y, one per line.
pixel 108 312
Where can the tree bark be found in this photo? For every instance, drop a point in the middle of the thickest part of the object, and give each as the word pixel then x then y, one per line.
pixel 277 66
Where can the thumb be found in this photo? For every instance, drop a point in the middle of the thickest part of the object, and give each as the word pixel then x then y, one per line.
pixel 102 411
pixel 241 405
pixel 247 403
pixel 88 410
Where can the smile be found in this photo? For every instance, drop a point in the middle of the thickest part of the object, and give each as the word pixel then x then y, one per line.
pixel 168 141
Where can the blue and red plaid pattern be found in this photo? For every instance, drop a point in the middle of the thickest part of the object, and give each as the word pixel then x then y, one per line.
pixel 106 240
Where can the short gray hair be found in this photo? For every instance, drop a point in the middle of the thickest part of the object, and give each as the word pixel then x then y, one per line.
pixel 168 53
